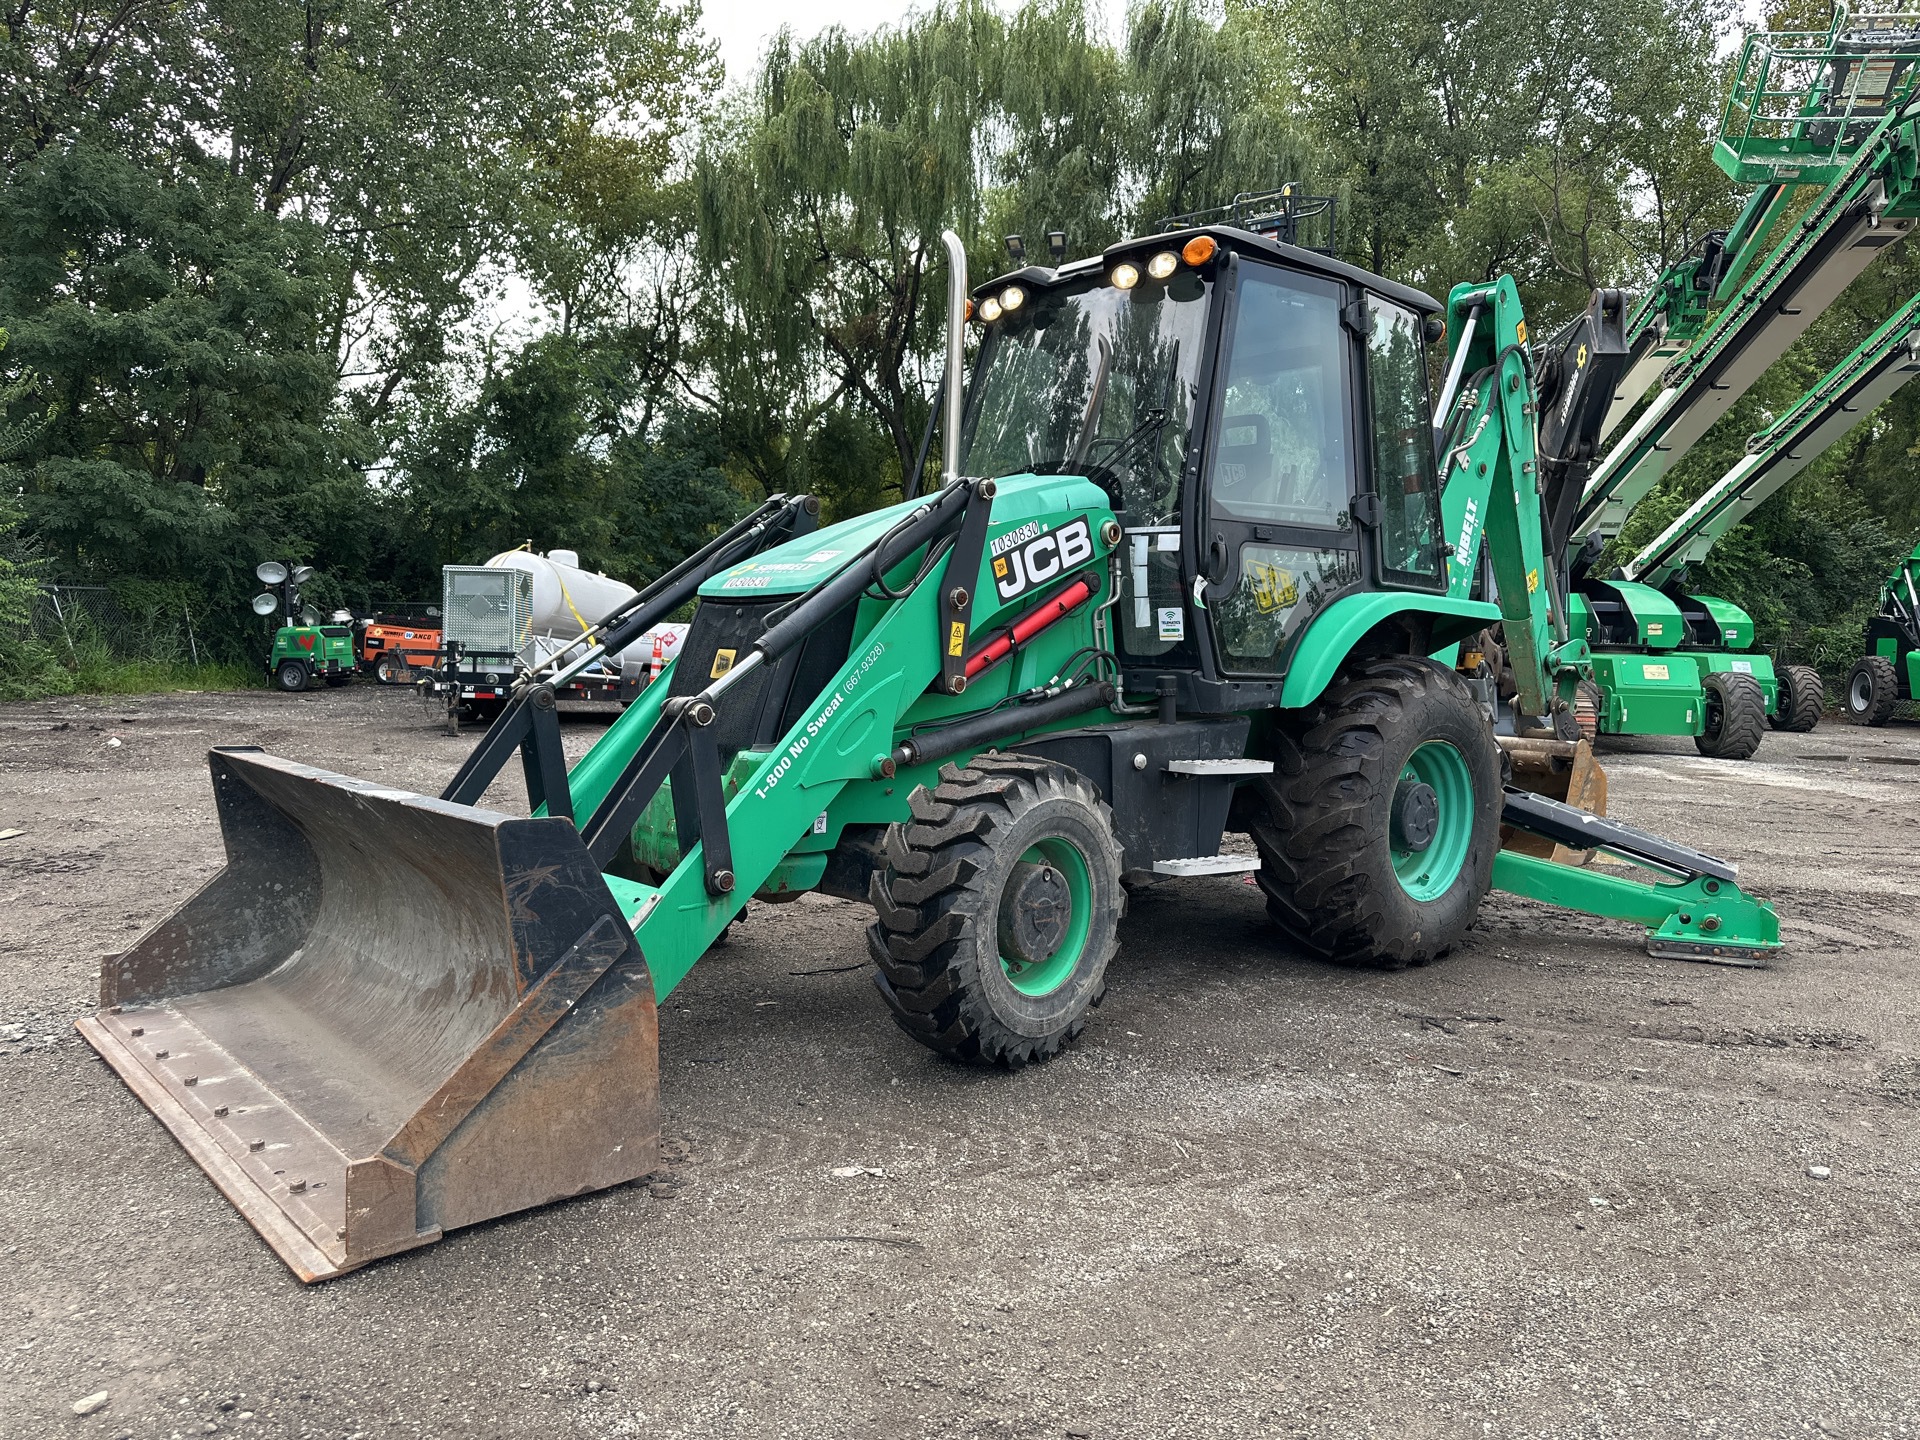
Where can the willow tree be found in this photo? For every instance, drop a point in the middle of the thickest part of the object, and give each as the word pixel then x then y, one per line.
pixel 821 202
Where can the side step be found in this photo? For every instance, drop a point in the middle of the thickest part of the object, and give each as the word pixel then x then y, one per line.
pixel 1208 865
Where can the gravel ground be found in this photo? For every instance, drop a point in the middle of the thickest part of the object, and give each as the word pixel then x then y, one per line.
pixel 1547 1187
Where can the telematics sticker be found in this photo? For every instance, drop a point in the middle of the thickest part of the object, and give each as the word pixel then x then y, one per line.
pixel 1173 623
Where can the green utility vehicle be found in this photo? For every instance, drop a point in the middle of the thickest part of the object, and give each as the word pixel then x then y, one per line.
pixel 303 649
pixel 1191 559
pixel 1889 673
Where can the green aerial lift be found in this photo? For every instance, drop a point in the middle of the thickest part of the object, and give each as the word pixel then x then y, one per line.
pixel 1889 672
pixel 1183 576
pixel 1846 395
pixel 1835 110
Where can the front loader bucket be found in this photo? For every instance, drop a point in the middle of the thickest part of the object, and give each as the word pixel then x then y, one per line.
pixel 1560 770
pixel 389 1016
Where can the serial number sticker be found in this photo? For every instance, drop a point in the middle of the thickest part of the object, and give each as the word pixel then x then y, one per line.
pixel 1656 627
pixel 1742 667
pixel 1173 623
pixel 1653 672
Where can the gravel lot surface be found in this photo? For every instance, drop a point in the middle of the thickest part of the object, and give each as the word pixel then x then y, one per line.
pixel 1547 1187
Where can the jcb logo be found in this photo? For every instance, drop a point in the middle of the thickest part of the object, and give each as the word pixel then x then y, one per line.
pixel 1039 560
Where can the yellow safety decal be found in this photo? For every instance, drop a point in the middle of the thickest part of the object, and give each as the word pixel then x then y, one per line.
pixel 1653 672
pixel 1000 568
pixel 957 638
pixel 1533 581
pixel 1520 332
pixel 1580 358
pixel 722 662
pixel 1274 589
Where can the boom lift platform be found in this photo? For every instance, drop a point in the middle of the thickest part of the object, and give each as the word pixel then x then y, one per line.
pixel 1869 204
pixel 1802 104
pixel 1184 575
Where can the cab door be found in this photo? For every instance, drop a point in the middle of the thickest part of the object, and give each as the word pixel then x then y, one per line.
pixel 1278 539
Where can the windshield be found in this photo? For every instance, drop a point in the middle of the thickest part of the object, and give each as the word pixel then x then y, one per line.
pixel 1096 381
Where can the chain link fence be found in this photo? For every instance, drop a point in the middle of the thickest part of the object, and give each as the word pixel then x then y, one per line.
pixel 75 620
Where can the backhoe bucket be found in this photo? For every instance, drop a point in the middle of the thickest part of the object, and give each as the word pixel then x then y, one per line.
pixel 389 1016
pixel 1560 770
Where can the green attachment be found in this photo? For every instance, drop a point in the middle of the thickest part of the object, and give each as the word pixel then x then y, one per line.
pixel 1647 694
pixel 1698 919
pixel 1656 619
pixel 1051 874
pixel 1432 824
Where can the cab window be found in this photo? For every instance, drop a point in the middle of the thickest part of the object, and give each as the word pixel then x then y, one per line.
pixel 1401 429
pixel 1281 455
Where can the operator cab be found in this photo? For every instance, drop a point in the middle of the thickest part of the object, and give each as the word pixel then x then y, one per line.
pixel 1258 415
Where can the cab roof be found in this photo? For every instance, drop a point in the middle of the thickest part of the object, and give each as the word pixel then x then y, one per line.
pixel 1227 237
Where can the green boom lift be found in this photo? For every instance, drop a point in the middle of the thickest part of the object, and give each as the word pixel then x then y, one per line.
pixel 1835 110
pixel 1183 576
pixel 1846 395
pixel 1890 670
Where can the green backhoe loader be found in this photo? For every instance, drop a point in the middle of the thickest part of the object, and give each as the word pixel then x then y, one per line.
pixel 1193 555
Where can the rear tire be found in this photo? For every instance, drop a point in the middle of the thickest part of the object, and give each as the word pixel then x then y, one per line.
pixel 998 910
pixel 1873 691
pixel 291 675
pixel 1358 865
pixel 1803 699
pixel 1736 716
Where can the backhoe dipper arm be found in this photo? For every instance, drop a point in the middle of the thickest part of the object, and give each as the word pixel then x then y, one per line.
pixel 1845 396
pixel 1509 484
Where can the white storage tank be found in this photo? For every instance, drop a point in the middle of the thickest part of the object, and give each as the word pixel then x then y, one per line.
pixel 566 599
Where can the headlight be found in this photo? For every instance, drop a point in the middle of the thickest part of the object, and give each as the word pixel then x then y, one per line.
pixel 1125 276
pixel 1012 298
pixel 1163 264
pixel 989 310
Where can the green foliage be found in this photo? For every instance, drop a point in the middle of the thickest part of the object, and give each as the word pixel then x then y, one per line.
pixel 255 261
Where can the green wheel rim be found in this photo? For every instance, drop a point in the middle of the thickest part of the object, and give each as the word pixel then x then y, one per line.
pixel 1043 977
pixel 1428 874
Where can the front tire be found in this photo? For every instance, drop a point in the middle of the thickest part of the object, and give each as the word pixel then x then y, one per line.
pixel 1803 699
pixel 1736 716
pixel 291 675
pixel 1873 691
pixel 998 910
pixel 1381 817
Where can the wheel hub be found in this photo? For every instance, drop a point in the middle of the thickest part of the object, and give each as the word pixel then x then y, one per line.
pixel 1036 909
pixel 1416 815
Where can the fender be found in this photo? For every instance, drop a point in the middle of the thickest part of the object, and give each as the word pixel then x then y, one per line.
pixel 1330 638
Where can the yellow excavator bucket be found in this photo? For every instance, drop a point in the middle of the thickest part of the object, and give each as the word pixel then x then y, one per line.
pixel 389 1016
pixel 1560 770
